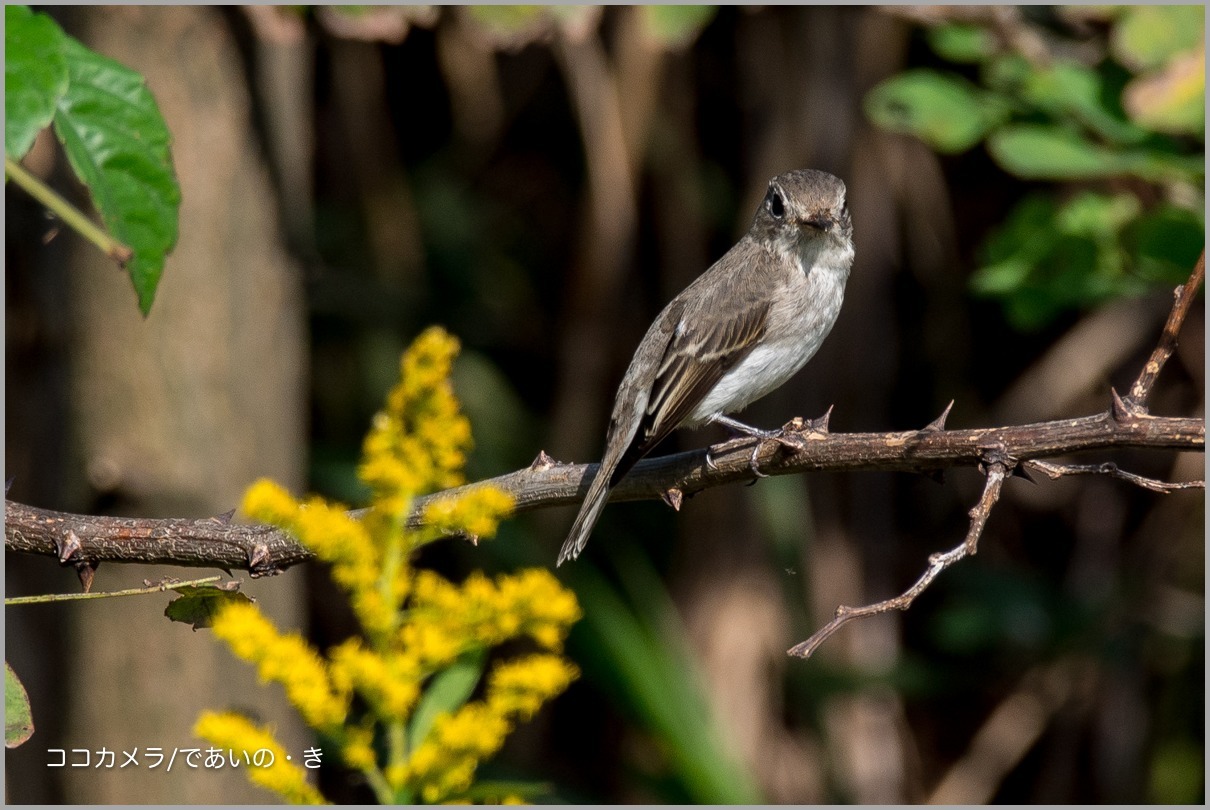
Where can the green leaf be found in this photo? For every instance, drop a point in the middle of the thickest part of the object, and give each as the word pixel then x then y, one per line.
pixel 508 22
pixel 495 790
pixel 446 693
pixel 677 26
pixel 18 719
pixel 1040 152
pixel 1071 89
pixel 35 76
pixel 960 42
pixel 1147 36
pixel 118 145
pixel 198 603
pixel 1165 243
pixel 1047 259
pixel 1011 251
pixel 945 111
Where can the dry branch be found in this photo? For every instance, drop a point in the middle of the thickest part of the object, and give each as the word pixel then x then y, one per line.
pixel 217 542
pixel 86 541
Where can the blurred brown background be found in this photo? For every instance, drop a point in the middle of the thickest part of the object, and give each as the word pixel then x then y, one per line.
pixel 541 185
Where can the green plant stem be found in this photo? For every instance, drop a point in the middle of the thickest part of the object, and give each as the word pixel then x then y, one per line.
pixel 397 746
pixel 69 597
pixel 378 783
pixel 67 212
pixel 392 561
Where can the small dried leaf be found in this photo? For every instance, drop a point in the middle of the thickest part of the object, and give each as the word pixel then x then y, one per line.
pixel 199 603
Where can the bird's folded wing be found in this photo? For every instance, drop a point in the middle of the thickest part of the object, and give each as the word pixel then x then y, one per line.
pixel 695 360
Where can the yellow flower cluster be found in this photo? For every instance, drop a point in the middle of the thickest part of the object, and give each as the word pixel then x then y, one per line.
pixel 389 681
pixel 476 512
pixel 484 612
pixel 443 765
pixel 286 659
pixel 419 441
pixel 415 623
pixel 519 688
pixel 232 732
pixel 324 528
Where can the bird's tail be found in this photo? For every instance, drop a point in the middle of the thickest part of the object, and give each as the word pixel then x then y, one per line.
pixel 590 510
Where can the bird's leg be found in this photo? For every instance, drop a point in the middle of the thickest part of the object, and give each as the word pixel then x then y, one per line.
pixel 740 428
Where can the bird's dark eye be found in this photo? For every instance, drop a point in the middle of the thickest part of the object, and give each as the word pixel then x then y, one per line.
pixel 776 207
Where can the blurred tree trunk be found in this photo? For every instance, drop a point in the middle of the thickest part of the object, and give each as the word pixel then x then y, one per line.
pixel 174 415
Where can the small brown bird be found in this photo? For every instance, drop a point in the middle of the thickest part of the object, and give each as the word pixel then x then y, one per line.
pixel 739 331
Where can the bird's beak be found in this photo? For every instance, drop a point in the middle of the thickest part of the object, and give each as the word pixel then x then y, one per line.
pixel 820 222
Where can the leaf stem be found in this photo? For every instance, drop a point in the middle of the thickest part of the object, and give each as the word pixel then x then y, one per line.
pixel 67 212
pixel 69 597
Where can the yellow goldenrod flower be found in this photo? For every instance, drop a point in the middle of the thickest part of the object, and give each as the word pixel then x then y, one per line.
pixel 269 502
pixel 420 440
pixel 414 624
pixel 239 738
pixel 390 682
pixel 284 658
pixel 518 688
pixel 477 512
pixel 358 749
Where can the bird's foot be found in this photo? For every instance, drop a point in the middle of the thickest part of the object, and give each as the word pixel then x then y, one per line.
pixel 787 436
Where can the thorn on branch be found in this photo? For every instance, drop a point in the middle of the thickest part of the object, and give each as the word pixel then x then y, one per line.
pixel 86 570
pixel 542 462
pixel 673 497
pixel 225 518
pixel 938 424
pixel 257 557
pixel 1019 471
pixel 1124 412
pixel 819 425
pixel 67 545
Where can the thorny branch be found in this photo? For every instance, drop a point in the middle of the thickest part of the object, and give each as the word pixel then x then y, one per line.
pixel 1184 295
pixel 998 467
pixel 86 541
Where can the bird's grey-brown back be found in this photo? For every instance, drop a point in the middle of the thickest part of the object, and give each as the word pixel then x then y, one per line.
pixel 739 331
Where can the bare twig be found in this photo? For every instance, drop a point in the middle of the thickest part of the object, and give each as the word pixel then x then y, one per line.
pixel 1002 462
pixel 168 584
pixel 1136 400
pixel 1057 471
pixel 999 467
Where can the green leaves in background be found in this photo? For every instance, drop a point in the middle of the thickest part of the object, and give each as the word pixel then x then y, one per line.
pixel 35 76
pixel 1146 37
pixel 18 721
pixel 1049 257
pixel 115 138
pixel 1055 118
pixel 676 26
pixel 947 112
